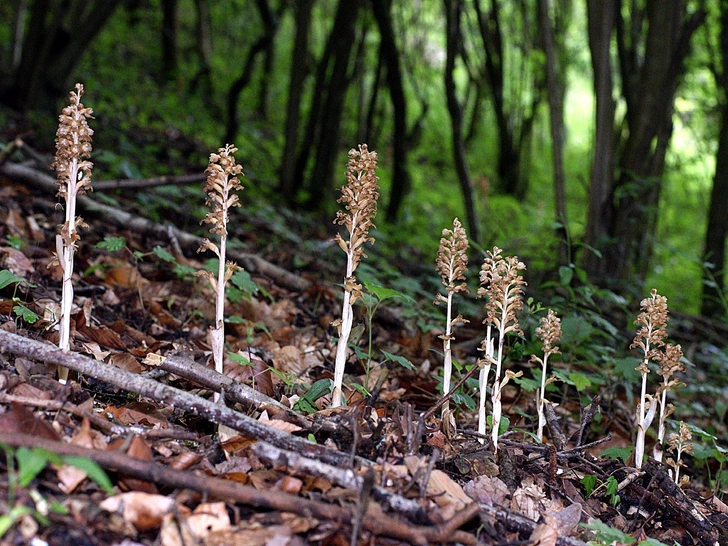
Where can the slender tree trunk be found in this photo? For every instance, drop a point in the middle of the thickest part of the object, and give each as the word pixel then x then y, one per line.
pixel 203 35
pixel 263 43
pixel 713 302
pixel 57 35
pixel 558 134
pixel 342 39
pixel 299 71
pixel 169 40
pixel 453 40
pixel 389 52
pixel 601 16
pixel 642 162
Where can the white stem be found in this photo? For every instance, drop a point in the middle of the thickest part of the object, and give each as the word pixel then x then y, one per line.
pixel 347 319
pixel 496 394
pixel 483 383
pixel 541 398
pixel 447 364
pixel 661 423
pixel 66 259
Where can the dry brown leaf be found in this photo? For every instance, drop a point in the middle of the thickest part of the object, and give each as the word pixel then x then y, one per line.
pixel 69 476
pixel 488 490
pixel 543 535
pixel 138 449
pixel 208 518
pixel 289 484
pixel 143 510
pixel 16 261
pixel 277 423
pixel 288 360
pixel 125 361
pixel 21 419
pixel 447 494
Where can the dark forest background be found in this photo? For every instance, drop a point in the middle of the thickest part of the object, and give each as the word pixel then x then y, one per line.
pixel 588 137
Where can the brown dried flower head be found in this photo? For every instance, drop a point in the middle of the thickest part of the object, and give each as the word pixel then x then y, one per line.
pixel 652 321
pixel 502 283
pixel 670 361
pixel 359 196
pixel 681 440
pixel 452 258
pixel 549 332
pixel 73 147
pixel 222 183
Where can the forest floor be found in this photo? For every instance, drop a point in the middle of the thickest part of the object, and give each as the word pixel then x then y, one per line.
pixel 383 470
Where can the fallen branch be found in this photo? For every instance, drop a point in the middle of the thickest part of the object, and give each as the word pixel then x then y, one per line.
pixel 234 391
pixel 216 413
pixel 297 464
pixel 189 242
pixel 377 523
pixel 182 180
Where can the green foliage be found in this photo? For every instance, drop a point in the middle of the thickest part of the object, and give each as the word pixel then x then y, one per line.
pixel 604 535
pixel 307 402
pixel 112 244
pixel 615 452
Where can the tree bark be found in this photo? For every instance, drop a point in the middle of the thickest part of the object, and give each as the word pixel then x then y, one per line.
pixel 299 71
pixel 453 40
pixel 332 83
pixel 636 190
pixel 389 52
pixel 601 15
pixel 169 40
pixel 58 33
pixel 203 36
pixel 555 88
pixel 263 43
pixel 713 301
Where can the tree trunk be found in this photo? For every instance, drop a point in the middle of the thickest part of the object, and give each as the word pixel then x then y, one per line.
pixel 555 88
pixel 713 302
pixel 453 40
pixel 58 33
pixel 601 16
pixel 326 143
pixel 169 40
pixel 642 162
pixel 203 33
pixel 299 71
pixel 264 42
pixel 389 52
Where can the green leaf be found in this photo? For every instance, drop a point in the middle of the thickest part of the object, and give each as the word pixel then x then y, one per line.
pixel 164 255
pixel 183 271
pixel 461 399
pixel 8 520
pixel 241 280
pixel 112 244
pixel 615 452
pixel 612 485
pixel 589 481
pixel 31 462
pixel 606 534
pixel 24 313
pixel 402 361
pixel 382 293
pixel 528 384
pixel 565 275
pixel 240 359
pixel 234 319
pixel 320 388
pixel 7 278
pixel 15 242
pixel 579 380
pixel 92 469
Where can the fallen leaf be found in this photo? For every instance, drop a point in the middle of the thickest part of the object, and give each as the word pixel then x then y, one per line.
pixel 143 510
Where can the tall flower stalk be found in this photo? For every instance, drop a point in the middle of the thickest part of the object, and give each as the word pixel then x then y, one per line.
pixel 680 443
pixel 549 332
pixel 359 196
pixel 670 364
pixel 502 283
pixel 452 264
pixel 650 338
pixel 221 187
pixel 73 148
